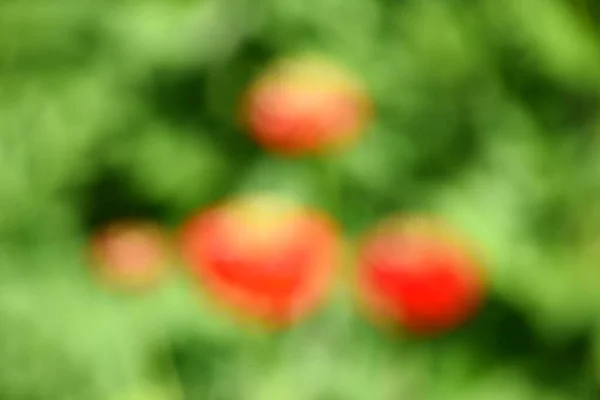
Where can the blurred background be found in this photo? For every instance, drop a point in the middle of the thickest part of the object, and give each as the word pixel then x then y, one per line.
pixel 487 112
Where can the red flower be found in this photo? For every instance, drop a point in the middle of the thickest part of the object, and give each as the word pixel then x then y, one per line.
pixel 416 275
pixel 130 253
pixel 305 105
pixel 263 258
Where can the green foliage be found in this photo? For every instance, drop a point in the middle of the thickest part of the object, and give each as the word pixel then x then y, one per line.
pixel 487 113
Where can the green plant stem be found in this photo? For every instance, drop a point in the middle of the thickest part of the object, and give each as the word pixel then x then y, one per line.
pixel 329 178
pixel 174 381
pixel 433 369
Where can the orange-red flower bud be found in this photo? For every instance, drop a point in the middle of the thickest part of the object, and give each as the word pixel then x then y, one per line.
pixel 305 105
pixel 270 260
pixel 130 253
pixel 415 274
